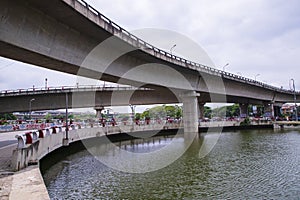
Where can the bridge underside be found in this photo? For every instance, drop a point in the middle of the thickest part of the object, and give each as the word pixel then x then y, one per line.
pixel 62 34
pixel 57 100
pixel 67 36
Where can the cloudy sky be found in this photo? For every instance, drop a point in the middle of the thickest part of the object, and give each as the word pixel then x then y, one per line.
pixel 253 36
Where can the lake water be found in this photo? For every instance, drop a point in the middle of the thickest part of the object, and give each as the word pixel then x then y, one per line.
pixel 256 164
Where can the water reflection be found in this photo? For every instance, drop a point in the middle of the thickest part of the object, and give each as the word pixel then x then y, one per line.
pixel 141 155
pixel 243 165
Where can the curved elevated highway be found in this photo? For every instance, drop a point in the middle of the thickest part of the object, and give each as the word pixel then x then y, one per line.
pixel 70 36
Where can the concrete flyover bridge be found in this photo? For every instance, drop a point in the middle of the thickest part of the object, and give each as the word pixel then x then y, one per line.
pixel 80 97
pixel 70 36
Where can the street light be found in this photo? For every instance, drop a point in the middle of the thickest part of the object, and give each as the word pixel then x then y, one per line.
pixel 256 76
pixel 172 48
pixel 225 66
pixel 46 83
pixel 31 100
pixel 132 113
pixel 296 111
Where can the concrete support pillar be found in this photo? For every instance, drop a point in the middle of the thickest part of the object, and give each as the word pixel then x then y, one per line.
pixel 190 112
pixel 244 110
pixel 201 110
pixel 98 111
pixel 269 110
pixel 277 112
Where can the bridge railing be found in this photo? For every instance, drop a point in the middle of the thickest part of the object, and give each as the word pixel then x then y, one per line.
pixel 28 138
pixel 67 89
pixel 133 40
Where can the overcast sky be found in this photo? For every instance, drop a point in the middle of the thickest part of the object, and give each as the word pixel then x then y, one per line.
pixel 253 36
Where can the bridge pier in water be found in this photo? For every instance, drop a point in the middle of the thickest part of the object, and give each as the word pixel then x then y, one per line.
pixel 269 110
pixel 190 112
pixel 244 110
pixel 276 110
pixel 201 110
pixel 98 111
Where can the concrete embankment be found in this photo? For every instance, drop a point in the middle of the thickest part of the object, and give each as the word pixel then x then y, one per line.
pixel 235 128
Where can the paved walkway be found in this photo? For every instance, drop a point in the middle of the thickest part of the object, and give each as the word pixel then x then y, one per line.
pixel 6 174
pixel 16 186
pixel 12 184
pixel 5 186
pixel 5 157
pixel 7 145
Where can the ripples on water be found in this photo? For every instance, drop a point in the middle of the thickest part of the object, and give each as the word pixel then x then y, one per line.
pixel 243 165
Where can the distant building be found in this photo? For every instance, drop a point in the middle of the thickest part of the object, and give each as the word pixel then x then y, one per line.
pixel 287 109
pixel 39 114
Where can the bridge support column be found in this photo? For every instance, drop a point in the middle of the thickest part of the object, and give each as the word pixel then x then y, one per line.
pixel 98 111
pixel 201 110
pixel 277 112
pixel 269 110
pixel 190 112
pixel 244 110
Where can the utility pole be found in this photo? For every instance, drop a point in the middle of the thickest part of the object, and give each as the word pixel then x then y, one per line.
pixel 296 111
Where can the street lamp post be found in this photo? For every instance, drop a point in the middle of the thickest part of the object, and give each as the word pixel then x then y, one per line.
pixel 46 83
pixel 66 139
pixel 225 66
pixel 256 76
pixel 132 107
pixel 171 50
pixel 31 100
pixel 67 116
pixel 296 111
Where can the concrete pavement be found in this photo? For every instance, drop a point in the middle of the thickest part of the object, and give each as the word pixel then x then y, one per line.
pixel 16 186
pixel 13 184
pixel 7 145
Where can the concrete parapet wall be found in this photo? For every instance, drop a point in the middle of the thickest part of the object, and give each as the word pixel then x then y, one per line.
pixel 32 153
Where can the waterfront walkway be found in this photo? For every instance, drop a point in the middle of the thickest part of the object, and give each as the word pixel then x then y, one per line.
pixel 13 185
pixel 6 150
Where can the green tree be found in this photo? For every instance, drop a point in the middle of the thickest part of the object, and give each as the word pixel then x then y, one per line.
pixel 220 111
pixel 207 112
pixel 71 116
pixel 178 112
pixel 48 116
pixel 157 112
pixel 7 116
pixel 170 111
pixel 59 117
pixel 145 114
pixel 162 112
pixel 246 122
pixel 138 116
pixel 233 111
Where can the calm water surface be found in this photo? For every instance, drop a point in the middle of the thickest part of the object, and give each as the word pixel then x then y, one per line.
pixel 243 165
